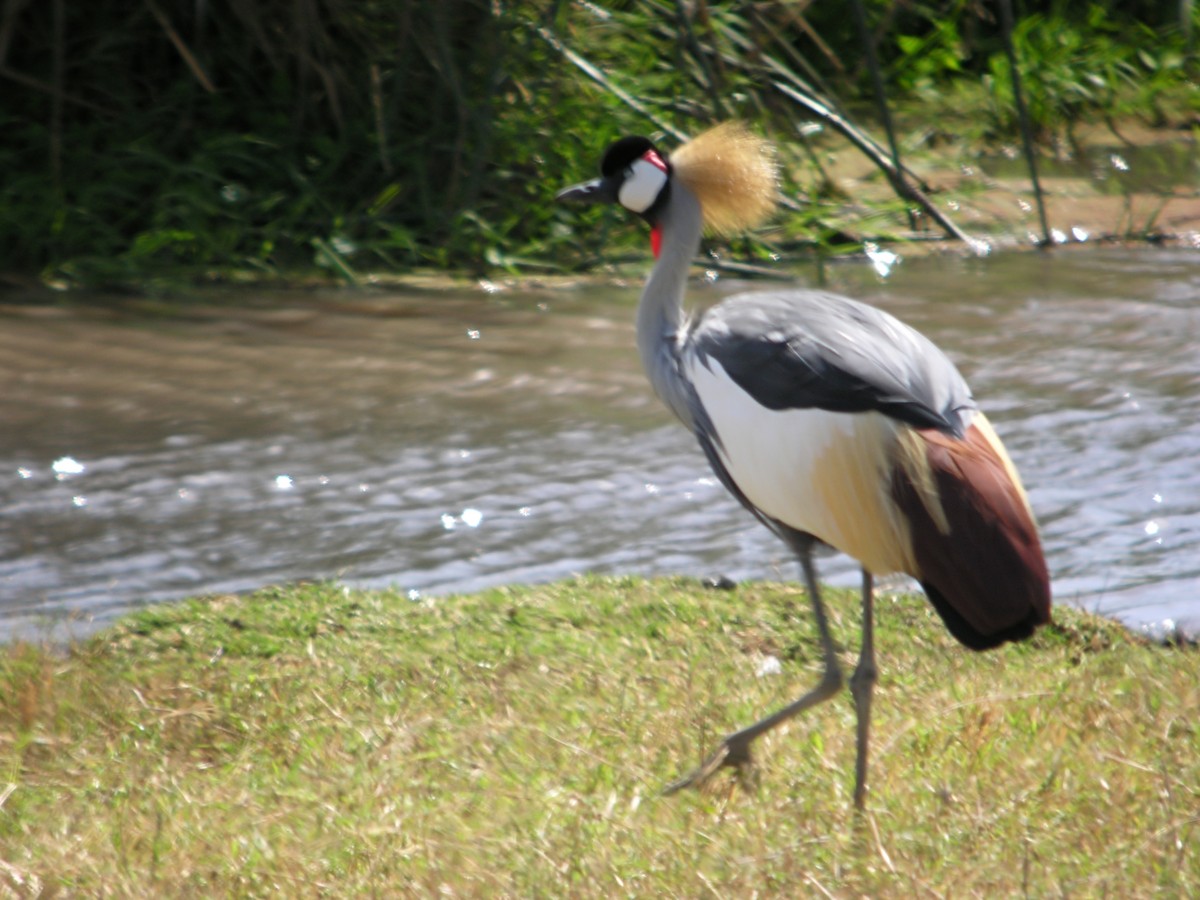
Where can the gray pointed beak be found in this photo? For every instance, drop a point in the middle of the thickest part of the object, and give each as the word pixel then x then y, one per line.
pixel 598 190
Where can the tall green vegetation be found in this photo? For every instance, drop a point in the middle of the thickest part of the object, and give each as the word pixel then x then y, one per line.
pixel 243 133
pixel 366 134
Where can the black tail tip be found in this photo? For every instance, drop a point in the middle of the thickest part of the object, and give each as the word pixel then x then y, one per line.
pixel 974 639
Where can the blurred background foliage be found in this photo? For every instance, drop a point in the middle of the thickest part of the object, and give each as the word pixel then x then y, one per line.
pixel 277 135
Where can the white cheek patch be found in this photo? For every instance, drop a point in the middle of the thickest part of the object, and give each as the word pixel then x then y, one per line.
pixel 641 186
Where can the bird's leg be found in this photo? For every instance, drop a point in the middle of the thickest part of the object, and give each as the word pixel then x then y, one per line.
pixel 735 748
pixel 862 682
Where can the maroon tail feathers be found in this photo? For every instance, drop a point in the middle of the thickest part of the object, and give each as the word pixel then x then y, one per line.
pixel 987 577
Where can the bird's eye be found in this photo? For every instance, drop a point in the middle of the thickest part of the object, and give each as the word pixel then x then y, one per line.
pixel 642 183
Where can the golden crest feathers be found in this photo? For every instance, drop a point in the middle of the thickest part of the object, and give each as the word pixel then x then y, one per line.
pixel 733 174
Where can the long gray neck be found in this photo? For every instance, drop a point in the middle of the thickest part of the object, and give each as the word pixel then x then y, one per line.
pixel 660 315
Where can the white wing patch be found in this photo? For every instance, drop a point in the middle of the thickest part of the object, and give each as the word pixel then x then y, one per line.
pixel 822 472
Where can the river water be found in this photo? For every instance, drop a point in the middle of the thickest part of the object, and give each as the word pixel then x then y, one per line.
pixel 446 441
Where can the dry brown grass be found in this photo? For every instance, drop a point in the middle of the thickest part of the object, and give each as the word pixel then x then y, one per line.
pixel 312 740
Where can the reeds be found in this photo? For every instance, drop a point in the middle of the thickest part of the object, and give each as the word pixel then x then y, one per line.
pixel 163 133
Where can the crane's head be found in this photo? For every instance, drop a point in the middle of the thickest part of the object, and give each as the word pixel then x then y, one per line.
pixel 633 173
pixel 730 170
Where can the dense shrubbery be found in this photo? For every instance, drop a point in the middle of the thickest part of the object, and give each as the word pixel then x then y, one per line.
pixel 273 134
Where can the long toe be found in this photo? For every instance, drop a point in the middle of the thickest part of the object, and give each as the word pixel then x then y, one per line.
pixel 734 751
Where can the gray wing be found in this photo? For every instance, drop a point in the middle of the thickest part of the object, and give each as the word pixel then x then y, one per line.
pixel 810 349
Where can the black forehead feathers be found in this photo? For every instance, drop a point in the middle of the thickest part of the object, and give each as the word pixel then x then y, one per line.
pixel 623 153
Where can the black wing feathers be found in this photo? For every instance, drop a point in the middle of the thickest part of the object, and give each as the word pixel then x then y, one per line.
pixel 814 350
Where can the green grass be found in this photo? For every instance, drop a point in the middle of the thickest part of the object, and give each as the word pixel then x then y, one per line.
pixel 315 740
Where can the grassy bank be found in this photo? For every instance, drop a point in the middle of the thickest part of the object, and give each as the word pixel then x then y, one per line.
pixel 315 740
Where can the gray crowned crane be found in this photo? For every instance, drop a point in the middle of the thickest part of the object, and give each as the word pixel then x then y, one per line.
pixel 831 421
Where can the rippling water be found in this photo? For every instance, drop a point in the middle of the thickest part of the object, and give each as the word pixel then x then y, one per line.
pixel 444 442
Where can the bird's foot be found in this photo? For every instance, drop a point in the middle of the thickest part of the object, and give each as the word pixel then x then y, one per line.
pixel 734 752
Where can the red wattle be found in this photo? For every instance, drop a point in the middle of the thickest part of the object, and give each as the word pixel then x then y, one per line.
pixel 655 241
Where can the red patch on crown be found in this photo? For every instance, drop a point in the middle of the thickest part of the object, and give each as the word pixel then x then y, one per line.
pixel 652 157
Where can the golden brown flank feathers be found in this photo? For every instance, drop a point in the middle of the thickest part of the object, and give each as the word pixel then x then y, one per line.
pixel 974 538
pixel 732 172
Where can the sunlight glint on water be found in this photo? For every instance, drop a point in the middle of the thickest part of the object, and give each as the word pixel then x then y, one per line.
pixel 450 442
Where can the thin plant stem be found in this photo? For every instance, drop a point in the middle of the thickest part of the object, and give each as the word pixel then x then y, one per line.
pixel 1006 26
